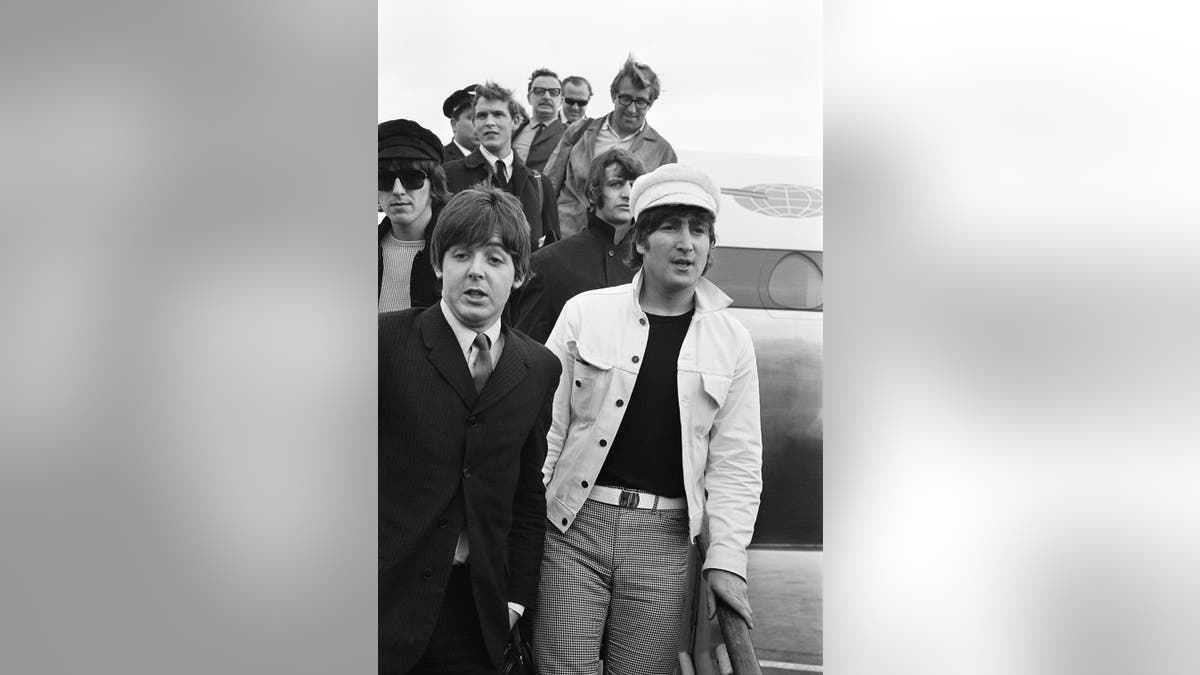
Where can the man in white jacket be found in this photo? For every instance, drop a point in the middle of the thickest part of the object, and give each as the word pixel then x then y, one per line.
pixel 655 433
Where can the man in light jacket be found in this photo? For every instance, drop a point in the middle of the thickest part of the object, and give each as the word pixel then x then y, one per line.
pixel 655 434
pixel 634 91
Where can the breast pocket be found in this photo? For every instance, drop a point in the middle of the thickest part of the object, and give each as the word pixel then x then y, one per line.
pixel 589 381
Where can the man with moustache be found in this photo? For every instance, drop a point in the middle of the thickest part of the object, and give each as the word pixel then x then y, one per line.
pixel 593 258
pixel 655 436
pixel 577 92
pixel 412 191
pixel 535 140
pixel 464 405
pixel 634 90
pixel 494 162
pixel 457 107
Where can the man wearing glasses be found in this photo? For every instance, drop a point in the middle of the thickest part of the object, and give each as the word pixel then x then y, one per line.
pixel 412 192
pixel 535 140
pixel 633 90
pixel 577 91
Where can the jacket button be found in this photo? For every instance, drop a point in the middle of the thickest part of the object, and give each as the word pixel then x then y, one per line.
pixel 636 359
pixel 603 442
pixel 428 574
pixel 610 254
pixel 620 403
pixel 466 472
pixel 642 321
pixel 584 483
pixel 472 420
pixel 442 522
pixel 564 521
pixel 578 383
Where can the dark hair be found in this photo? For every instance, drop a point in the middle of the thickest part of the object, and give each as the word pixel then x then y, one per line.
pixel 577 80
pixel 640 74
pixel 631 168
pixel 653 218
pixel 494 92
pixel 437 176
pixel 541 72
pixel 475 215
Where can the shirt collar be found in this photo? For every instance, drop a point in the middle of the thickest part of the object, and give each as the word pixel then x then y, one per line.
pixel 609 129
pixel 466 336
pixel 465 151
pixel 491 159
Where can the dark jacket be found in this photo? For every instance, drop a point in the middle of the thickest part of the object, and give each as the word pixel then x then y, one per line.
pixel 531 187
pixel 452 460
pixel 543 144
pixel 571 266
pixel 423 284
pixel 452 153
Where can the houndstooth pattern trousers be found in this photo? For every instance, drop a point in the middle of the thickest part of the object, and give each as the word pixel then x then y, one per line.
pixel 624 568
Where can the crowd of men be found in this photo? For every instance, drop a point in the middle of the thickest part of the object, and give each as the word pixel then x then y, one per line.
pixel 564 403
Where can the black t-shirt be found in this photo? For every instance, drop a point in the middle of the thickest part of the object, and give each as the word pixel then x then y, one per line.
pixel 647 453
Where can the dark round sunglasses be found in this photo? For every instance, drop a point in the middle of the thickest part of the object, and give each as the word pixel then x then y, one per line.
pixel 411 179
pixel 576 101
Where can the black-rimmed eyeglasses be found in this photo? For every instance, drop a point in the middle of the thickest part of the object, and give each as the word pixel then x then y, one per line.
pixel 553 91
pixel 639 103
pixel 411 179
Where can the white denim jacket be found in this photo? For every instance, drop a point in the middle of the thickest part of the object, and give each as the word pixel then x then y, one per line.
pixel 600 338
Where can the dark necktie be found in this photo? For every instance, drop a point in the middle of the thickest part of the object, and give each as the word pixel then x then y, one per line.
pixel 501 174
pixel 481 367
pixel 537 131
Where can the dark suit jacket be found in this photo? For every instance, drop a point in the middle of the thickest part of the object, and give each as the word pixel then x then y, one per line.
pixel 538 201
pixel 544 144
pixel 452 152
pixel 451 459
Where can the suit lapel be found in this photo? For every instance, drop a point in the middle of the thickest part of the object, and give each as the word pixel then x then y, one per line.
pixel 508 372
pixel 519 176
pixel 445 354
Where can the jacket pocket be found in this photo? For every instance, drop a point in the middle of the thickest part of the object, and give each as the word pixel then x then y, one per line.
pixel 589 380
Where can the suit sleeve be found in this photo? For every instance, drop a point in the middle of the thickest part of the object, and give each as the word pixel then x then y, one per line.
pixel 556 165
pixel 529 503
pixel 529 307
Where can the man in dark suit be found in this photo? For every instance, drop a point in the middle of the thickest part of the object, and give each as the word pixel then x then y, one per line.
pixel 495 162
pixel 464 407
pixel 536 139
pixel 457 108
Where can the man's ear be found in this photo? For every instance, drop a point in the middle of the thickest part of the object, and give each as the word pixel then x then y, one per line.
pixel 437 270
pixel 517 283
pixel 640 249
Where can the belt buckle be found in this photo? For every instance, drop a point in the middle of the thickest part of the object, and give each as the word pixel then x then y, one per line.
pixel 629 500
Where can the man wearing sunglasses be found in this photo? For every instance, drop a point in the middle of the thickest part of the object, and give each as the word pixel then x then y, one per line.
pixel 634 90
pixel 412 192
pixel 577 91
pixel 495 163
pixel 534 141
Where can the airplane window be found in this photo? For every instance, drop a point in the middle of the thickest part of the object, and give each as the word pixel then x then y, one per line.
pixel 797 282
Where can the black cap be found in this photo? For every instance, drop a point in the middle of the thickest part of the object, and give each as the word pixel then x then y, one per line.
pixel 405 139
pixel 458 99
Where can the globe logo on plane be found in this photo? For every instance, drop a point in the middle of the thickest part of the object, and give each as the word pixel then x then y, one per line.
pixel 780 199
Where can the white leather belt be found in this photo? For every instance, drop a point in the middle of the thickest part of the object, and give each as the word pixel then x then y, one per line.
pixel 631 499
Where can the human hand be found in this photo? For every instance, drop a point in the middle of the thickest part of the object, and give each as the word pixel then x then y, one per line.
pixel 732 589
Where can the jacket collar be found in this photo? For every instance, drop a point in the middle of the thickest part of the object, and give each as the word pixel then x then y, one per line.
pixel 709 298
pixel 447 358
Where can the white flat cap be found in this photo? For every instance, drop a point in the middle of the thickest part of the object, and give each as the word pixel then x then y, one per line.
pixel 674 184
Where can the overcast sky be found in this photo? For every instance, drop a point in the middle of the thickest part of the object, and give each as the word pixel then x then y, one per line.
pixel 739 76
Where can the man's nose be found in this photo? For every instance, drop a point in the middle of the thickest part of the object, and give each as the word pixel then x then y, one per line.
pixel 397 188
pixel 476 268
